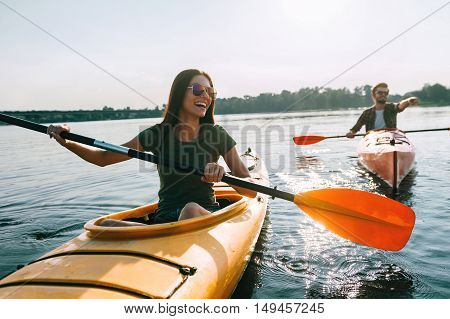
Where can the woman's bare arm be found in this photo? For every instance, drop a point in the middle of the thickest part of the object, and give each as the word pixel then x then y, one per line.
pixel 239 169
pixel 91 154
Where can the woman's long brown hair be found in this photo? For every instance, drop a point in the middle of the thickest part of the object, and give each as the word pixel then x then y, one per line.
pixel 176 97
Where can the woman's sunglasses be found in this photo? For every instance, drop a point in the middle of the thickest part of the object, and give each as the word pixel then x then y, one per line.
pixel 198 89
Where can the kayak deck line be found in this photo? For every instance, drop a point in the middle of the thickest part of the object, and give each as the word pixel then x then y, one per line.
pixel 395 170
pixel 183 269
pixel 67 284
pixel 88 271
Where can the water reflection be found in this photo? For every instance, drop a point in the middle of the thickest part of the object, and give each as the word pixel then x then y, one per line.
pixel 251 278
pixel 404 192
pixel 308 162
pixel 391 281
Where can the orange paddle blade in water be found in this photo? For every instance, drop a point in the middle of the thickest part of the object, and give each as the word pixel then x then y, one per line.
pixel 308 139
pixel 359 216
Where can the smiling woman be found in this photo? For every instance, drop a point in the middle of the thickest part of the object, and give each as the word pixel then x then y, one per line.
pixel 187 137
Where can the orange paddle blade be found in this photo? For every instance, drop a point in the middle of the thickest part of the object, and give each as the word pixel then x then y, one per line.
pixel 359 216
pixel 308 139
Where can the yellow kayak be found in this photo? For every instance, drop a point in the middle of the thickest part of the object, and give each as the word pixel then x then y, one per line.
pixel 202 257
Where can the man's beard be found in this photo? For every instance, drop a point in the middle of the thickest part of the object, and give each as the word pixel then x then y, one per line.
pixel 381 101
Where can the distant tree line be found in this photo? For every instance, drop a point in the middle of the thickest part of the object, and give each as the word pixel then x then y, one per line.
pixel 107 113
pixel 326 99
pixel 433 94
pixel 303 99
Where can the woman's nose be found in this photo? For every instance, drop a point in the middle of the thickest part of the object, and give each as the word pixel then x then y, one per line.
pixel 205 93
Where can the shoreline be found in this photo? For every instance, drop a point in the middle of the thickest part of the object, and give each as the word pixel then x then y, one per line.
pixel 54 116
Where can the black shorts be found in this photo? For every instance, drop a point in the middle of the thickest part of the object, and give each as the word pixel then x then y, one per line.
pixel 169 215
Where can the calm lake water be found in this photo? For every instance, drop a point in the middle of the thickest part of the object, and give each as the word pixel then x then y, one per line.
pixel 47 194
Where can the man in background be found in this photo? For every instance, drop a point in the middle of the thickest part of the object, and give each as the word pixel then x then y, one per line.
pixel 382 114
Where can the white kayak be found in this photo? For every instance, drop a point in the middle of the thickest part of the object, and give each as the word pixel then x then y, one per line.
pixel 388 153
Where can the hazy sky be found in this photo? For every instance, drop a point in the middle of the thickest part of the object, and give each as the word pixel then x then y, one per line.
pixel 248 47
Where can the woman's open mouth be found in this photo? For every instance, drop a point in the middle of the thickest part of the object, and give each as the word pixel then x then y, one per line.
pixel 201 105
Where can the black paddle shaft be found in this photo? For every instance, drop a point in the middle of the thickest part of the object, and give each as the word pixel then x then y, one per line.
pixel 145 157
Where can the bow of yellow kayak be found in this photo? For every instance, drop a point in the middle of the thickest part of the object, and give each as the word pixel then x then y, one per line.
pixel 202 257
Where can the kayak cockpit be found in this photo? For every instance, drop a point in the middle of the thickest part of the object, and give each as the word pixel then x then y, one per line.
pixel 233 205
